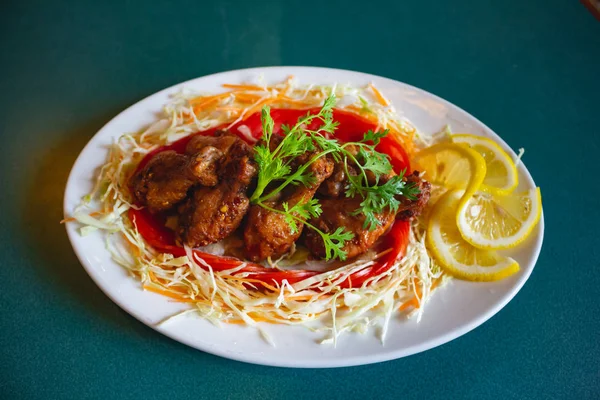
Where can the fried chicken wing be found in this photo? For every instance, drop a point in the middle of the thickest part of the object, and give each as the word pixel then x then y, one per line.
pixel 207 152
pixel 267 234
pixel 412 208
pixel 166 179
pixel 222 141
pixel 213 213
pixel 163 182
pixel 339 213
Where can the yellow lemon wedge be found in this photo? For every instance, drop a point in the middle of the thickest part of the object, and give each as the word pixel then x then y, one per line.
pixel 452 166
pixel 456 255
pixel 492 221
pixel 501 176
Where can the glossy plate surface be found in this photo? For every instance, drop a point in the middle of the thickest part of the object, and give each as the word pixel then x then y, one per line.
pixel 453 311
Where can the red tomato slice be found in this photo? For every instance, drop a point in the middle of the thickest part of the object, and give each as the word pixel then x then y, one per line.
pixel 351 128
pixel 398 157
pixel 397 240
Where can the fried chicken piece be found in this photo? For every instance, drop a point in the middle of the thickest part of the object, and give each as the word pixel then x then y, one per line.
pixel 212 214
pixel 267 234
pixel 204 165
pixel 411 208
pixel 166 179
pixel 335 185
pixel 339 213
pixel 222 141
pixel 163 182
pixel 207 153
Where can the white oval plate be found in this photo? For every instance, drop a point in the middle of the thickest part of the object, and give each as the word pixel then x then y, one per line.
pixel 453 311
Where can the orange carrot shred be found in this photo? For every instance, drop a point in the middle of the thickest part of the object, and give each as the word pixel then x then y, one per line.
pixel 243 87
pixel 203 100
pixel 382 100
pixel 71 219
pixel 247 97
pixel 170 295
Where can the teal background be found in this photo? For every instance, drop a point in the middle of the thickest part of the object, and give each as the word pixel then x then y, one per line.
pixel 529 70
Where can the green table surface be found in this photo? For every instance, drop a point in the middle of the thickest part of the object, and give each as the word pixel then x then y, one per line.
pixel 530 70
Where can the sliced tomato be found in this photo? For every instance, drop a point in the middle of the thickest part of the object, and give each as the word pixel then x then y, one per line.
pixel 152 229
pixel 398 157
pixel 351 128
pixel 178 146
pixel 397 240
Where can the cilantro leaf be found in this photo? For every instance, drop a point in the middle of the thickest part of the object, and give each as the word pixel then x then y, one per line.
pixel 267 123
pixel 301 210
pixel 377 163
pixel 275 165
pixel 379 197
pixel 374 137
pixel 334 243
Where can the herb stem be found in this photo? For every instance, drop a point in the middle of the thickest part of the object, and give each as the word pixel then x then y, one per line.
pixel 362 170
pixel 292 177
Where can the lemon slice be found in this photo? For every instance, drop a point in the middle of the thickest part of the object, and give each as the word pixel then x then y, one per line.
pixel 501 176
pixel 491 221
pixel 456 255
pixel 452 166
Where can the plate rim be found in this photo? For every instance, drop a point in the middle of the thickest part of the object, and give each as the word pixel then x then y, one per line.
pixel 336 363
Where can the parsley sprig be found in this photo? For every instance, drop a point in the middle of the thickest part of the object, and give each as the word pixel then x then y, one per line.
pixel 380 195
pixel 297 140
pixel 300 213
pixel 275 171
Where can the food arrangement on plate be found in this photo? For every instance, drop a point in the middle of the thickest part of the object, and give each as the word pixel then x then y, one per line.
pixel 306 205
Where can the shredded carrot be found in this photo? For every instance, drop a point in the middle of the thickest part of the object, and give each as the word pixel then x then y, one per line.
pixel 159 281
pixel 380 98
pixel 248 97
pixel 410 303
pixel 201 103
pixel 243 87
pixel 203 106
pixel 171 295
pixel 300 298
pixel 258 106
pixel 203 100
pixel 235 111
pixel 152 276
pixel 71 219
pixel 241 321
pixel 400 130
pixel 407 143
pixel 250 280
pixel 415 302
pixel 289 100
pixel 131 245
pixel 358 110
pixel 229 108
